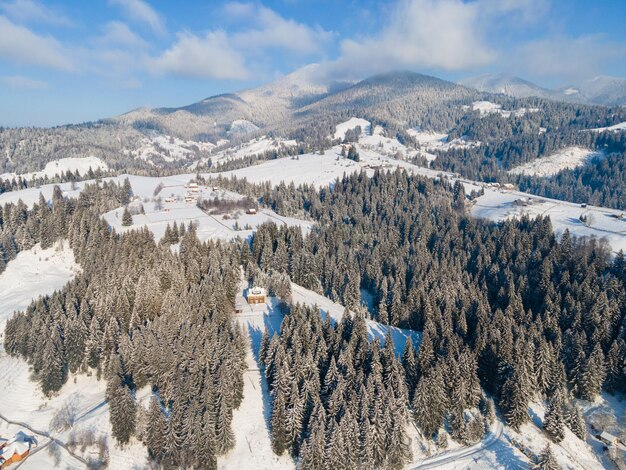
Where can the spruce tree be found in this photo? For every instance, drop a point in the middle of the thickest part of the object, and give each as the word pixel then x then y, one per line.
pixel 547 461
pixel 553 422
pixel 127 219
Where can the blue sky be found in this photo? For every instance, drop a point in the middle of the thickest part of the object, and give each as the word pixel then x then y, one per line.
pixel 73 61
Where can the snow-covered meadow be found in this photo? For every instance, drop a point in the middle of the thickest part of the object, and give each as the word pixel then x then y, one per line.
pixel 565 159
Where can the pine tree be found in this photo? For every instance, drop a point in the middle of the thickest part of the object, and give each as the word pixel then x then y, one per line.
pixel 156 429
pixel 547 461
pixel 575 421
pixel 554 421
pixel 53 373
pixel 280 434
pixel 127 219
pixel 122 413
pixel 514 399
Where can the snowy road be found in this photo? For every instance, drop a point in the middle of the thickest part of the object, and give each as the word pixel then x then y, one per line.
pixel 464 453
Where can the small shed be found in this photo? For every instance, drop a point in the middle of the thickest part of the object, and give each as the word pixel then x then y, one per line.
pixel 256 295
pixel 607 438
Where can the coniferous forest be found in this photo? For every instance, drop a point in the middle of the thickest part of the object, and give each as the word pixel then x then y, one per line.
pixel 508 314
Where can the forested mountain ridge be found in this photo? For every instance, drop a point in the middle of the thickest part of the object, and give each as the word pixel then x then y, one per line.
pixel 601 90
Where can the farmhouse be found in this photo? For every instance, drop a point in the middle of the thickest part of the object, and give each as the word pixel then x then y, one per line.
pixel 256 295
pixel 15 449
pixel 607 438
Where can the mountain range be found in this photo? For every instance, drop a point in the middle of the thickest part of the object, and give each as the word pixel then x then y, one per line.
pixel 404 98
pixel 292 101
pixel 601 90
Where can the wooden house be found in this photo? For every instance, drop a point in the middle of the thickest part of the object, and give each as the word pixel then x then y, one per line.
pixel 607 438
pixel 256 295
pixel 16 449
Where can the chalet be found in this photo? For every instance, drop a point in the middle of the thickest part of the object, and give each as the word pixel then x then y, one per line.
pixel 193 187
pixel 256 295
pixel 508 186
pixel 169 199
pixel 15 449
pixel 190 199
pixel 607 438
pixel 251 211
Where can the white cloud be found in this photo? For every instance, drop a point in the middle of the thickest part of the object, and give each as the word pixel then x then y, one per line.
pixel 24 83
pixel 24 11
pixel 117 33
pixel 567 58
pixel 21 46
pixel 210 56
pixel 141 12
pixel 270 30
pixel 435 34
pixel 226 55
pixel 522 12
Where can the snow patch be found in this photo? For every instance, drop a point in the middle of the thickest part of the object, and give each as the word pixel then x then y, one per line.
pixel 498 205
pixel 568 158
pixel 59 167
pixel 617 127
pixel 33 273
pixel 170 149
pixel 341 129
pixel 242 126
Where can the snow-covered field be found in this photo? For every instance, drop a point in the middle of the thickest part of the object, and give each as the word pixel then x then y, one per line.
pixel 564 159
pixel 342 128
pixel 242 126
pixel 617 127
pixel 487 107
pixel 323 170
pixel 376 330
pixel 32 273
pixel 170 149
pixel 174 208
pixel 256 146
pixel 600 222
pixel 57 167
